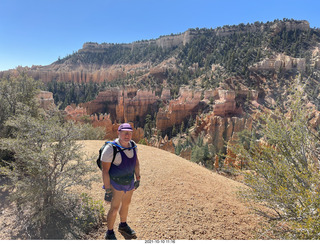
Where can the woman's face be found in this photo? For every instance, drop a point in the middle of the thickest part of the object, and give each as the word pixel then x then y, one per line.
pixel 125 137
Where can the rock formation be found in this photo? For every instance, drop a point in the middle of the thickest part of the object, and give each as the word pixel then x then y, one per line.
pixel 132 105
pixel 225 104
pixel 186 105
pixel 129 104
pixel 163 143
pixel 186 153
pixel 233 160
pixel 105 102
pixel 136 108
pixel 45 99
pixel 85 66
pixel 84 72
pixel 217 130
pixel 315 59
pixel 76 113
pixel 290 26
pixel 280 62
pixel 90 71
pixel 80 114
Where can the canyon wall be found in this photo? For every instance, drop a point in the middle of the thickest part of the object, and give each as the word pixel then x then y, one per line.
pixel 84 72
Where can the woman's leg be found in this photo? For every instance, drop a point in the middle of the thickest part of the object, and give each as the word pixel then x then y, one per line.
pixel 126 200
pixel 117 197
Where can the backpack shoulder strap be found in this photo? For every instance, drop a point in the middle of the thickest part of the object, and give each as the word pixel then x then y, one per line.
pixel 115 149
pixel 133 144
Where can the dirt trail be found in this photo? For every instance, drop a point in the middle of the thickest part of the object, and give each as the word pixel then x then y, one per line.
pixel 178 199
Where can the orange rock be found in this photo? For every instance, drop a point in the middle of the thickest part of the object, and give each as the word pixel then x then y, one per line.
pixel 186 153
pixel 45 99
pixel 218 130
pixel 187 104
pixel 216 162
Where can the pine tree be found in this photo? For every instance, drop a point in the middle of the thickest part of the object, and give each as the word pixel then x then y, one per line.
pixel 182 128
pixel 178 148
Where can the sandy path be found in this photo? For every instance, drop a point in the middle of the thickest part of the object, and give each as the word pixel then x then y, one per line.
pixel 178 199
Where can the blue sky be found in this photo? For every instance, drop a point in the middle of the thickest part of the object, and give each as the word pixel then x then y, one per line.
pixel 37 32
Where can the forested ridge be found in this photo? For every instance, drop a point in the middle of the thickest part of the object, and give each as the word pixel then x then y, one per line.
pixel 232 53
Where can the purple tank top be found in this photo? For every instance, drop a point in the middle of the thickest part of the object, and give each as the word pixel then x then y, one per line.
pixel 123 174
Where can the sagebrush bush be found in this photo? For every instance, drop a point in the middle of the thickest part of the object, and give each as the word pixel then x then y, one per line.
pixel 47 162
pixel 43 161
pixel 283 174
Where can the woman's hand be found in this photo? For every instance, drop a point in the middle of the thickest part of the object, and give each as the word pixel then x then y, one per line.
pixel 108 195
pixel 136 184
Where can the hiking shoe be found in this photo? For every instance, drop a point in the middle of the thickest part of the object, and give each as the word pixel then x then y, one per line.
pixel 127 232
pixel 110 236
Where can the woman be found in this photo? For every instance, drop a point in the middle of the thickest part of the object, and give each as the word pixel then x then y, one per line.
pixel 118 179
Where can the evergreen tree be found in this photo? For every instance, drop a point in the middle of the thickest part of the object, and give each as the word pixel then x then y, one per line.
pixel 197 154
pixel 182 127
pixel 178 148
pixel 174 131
pixel 206 153
pixel 148 127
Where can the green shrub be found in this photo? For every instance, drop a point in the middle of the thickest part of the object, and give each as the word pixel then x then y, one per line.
pixel 88 132
pixel 143 141
pixel 90 214
pixel 46 162
pixel 284 172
